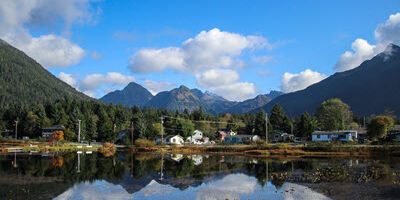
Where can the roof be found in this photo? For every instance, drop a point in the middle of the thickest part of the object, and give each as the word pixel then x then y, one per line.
pixel 221 133
pixel 55 127
pixel 396 127
pixel 171 136
pixel 344 132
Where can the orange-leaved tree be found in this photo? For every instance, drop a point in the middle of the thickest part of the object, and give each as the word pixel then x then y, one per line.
pixel 58 136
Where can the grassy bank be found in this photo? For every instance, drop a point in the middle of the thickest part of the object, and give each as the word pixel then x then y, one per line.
pixel 281 149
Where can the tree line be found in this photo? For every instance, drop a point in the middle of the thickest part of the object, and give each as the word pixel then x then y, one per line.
pixel 103 122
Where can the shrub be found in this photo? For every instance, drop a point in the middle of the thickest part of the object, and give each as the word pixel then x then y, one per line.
pixel 144 143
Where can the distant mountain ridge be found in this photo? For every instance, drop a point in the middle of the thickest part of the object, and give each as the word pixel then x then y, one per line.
pixel 184 98
pixel 24 81
pixel 368 89
pixel 132 94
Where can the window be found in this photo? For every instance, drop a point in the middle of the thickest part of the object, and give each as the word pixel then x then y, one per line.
pixel 329 136
pixel 173 140
pixel 318 136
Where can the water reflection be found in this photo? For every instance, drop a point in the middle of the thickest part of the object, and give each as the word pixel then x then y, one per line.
pixel 178 176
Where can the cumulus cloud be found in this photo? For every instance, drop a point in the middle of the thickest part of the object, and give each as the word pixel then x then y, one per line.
pixel 17 16
pixel 386 33
pixel 362 51
pixel 208 50
pixel 70 79
pixel 155 87
pixel 92 83
pixel 294 82
pixel 211 56
pixel 224 82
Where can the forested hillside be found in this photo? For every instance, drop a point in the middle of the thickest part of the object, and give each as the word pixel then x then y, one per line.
pixel 24 81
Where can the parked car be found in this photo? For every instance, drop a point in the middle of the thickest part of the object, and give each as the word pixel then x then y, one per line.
pixel 25 138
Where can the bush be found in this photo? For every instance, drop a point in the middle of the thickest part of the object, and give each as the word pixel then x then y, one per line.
pixel 144 143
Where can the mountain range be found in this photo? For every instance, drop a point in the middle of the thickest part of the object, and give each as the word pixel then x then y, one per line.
pixel 24 81
pixel 182 98
pixel 370 88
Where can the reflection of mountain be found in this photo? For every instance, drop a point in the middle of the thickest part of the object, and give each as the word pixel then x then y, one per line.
pixel 96 190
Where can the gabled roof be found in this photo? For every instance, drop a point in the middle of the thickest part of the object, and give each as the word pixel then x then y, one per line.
pixel 171 136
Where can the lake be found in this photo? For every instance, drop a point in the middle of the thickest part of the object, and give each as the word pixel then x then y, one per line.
pixel 175 176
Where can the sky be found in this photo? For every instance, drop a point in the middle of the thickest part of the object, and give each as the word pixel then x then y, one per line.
pixel 236 49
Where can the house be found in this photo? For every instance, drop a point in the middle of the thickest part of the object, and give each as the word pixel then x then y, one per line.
pixel 232 133
pixel 281 136
pixel 48 131
pixel 237 139
pixel 8 134
pixel 343 135
pixel 196 137
pixel 221 135
pixel 174 140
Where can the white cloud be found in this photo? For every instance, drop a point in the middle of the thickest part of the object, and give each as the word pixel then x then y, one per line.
pixel 362 51
pixel 155 87
pixel 217 77
pixel 208 50
pixel 70 79
pixel 386 33
pixel 17 16
pixel 92 82
pixel 157 60
pixel 224 82
pixel 294 82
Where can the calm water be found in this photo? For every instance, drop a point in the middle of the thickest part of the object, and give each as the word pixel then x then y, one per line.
pixel 156 176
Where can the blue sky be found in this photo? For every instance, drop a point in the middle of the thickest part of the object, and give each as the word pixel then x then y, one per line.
pixel 99 37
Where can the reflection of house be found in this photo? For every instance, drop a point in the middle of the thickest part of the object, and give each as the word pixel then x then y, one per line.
pixel 196 137
pixel 48 131
pixel 280 136
pixel 236 139
pixel 177 157
pixel 345 135
pixel 197 159
pixel 174 139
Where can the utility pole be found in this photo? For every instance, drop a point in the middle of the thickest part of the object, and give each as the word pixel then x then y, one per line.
pixel 162 130
pixel 79 130
pixel 131 132
pixel 364 121
pixel 291 128
pixel 16 128
pixel 266 127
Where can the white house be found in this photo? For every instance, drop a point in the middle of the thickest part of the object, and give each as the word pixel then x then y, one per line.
pixel 196 137
pixel 344 135
pixel 174 139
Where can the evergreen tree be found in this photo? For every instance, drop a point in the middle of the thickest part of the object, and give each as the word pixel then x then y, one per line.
pixel 278 118
pixel 305 126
